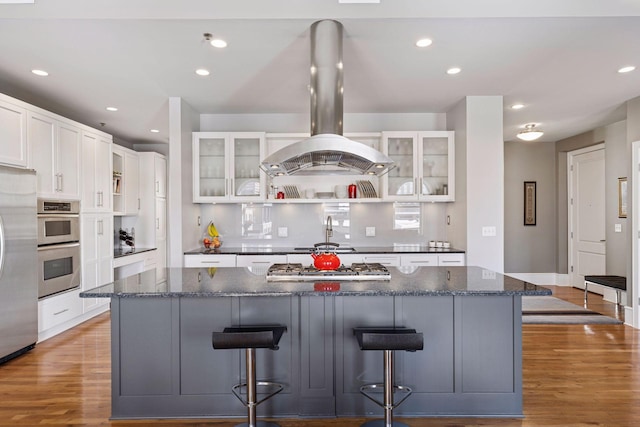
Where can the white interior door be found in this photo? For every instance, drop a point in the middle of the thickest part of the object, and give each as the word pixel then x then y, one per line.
pixel 587 214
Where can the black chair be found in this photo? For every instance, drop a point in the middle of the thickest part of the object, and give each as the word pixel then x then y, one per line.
pixel 249 338
pixel 387 339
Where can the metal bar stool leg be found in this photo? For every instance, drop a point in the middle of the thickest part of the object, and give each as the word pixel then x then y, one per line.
pixel 251 386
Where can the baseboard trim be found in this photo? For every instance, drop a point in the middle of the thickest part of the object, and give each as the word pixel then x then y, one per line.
pixel 542 278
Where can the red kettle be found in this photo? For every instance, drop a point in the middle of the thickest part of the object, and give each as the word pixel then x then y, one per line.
pixel 325 261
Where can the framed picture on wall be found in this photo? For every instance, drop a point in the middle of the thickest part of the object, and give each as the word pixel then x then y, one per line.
pixel 529 203
pixel 622 197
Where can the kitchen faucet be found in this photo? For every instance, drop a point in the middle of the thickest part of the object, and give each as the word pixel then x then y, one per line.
pixel 329 230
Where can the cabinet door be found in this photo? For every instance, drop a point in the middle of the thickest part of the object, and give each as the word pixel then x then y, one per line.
pixel 161 219
pixel 42 134
pixel 160 165
pixel 13 134
pixel 210 180
pixel 67 168
pixel 247 181
pixel 131 184
pixel 103 173
pixel 436 166
pixel 400 183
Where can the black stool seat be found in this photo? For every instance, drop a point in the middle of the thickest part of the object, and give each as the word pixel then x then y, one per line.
pixel 250 338
pixel 237 337
pixel 387 339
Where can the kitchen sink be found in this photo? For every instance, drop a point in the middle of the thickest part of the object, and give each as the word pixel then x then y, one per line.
pixel 338 249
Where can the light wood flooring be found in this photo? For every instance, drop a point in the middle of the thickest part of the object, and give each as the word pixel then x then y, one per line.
pixel 574 375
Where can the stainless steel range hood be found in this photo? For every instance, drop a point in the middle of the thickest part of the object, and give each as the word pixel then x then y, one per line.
pixel 327 151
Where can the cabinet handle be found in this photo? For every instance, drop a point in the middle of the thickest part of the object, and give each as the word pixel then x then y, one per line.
pixel 58 182
pixel 157 223
pixel 422 262
pixel 444 261
pixel 210 262
pixel 100 228
pixel 260 262
pixel 138 203
pixel 199 276
pixel 60 312
pixel 157 186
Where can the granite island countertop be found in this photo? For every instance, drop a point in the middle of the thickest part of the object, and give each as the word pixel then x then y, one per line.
pixel 248 281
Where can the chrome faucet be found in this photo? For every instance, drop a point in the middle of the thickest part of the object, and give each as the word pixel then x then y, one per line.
pixel 329 230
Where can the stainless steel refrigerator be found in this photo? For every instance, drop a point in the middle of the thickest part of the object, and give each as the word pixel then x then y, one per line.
pixel 18 262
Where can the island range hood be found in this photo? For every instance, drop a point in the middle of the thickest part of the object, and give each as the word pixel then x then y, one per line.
pixel 327 152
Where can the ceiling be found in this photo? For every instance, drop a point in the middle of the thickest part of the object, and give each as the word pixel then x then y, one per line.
pixel 557 57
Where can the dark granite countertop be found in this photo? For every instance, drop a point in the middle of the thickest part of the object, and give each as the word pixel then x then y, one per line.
pixel 120 252
pixel 247 281
pixel 270 250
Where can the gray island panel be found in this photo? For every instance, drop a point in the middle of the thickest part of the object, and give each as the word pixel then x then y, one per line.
pixel 165 367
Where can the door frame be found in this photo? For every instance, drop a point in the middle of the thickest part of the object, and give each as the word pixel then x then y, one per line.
pixel 570 205
pixel 632 313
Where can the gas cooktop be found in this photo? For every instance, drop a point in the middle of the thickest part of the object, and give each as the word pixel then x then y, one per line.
pixel 298 272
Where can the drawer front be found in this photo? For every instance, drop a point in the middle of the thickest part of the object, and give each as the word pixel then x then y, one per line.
pixel 419 260
pixel 390 260
pixel 59 309
pixel 209 260
pixel 260 260
pixel 450 260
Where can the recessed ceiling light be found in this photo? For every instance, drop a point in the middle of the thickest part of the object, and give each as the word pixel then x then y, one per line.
pixel 219 43
pixel 517 106
pixel 112 109
pixel 424 42
pixel 155 131
pixel 454 70
pixel 626 69
pixel 202 72
pixel 40 73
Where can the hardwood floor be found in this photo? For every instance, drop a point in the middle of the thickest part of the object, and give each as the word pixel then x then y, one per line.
pixel 574 375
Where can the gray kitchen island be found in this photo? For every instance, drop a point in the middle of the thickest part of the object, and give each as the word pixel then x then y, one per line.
pixel 164 366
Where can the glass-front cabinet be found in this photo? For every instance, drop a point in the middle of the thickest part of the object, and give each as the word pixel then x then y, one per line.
pixel 425 163
pixel 226 166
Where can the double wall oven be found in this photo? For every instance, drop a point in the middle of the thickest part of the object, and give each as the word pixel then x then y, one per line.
pixel 58 246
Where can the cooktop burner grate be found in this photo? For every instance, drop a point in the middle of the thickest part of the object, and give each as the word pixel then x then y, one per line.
pixel 298 272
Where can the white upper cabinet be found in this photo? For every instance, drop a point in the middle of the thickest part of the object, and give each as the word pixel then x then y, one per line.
pixel 125 181
pixel 13 134
pixel 97 182
pixel 424 169
pixel 226 166
pixel 54 152
pixel 160 167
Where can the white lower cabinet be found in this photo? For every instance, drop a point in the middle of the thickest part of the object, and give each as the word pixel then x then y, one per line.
pixel 259 260
pixel 419 260
pixel 384 259
pixel 449 260
pixel 58 309
pixel 210 260
pixel 96 246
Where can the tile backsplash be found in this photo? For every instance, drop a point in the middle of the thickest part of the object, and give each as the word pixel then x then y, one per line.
pixel 286 225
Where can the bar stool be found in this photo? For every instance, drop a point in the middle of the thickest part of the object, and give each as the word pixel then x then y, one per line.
pixel 387 339
pixel 249 338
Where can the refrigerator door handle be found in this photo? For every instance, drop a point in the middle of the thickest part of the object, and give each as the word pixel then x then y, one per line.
pixel 2 245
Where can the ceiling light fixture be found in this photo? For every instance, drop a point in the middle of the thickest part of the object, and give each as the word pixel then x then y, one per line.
pixel 517 106
pixel 41 73
pixel 424 42
pixel 530 133
pixel 454 70
pixel 202 72
pixel 219 43
pixel 626 69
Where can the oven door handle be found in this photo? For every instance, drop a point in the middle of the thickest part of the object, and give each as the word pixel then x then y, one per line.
pixel 48 215
pixel 61 246
pixel 2 245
